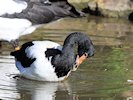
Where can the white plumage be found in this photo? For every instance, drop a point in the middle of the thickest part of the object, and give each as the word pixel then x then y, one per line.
pixel 11 6
pixel 37 69
pixel 13 28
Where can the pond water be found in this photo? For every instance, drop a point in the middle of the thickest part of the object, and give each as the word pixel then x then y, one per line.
pixel 102 77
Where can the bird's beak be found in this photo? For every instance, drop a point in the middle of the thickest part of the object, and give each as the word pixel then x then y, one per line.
pixel 81 59
pixel 17 48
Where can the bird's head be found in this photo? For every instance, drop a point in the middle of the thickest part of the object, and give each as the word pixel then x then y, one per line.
pixel 86 47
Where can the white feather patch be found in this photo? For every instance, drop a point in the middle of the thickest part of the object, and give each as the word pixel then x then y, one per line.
pixel 11 6
pixel 11 29
pixel 41 69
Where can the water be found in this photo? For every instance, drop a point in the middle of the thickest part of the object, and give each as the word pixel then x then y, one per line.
pixel 102 77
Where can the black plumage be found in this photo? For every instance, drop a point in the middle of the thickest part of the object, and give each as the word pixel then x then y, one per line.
pixel 22 57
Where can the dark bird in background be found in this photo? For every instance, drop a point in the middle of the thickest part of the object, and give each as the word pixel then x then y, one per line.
pixel 21 17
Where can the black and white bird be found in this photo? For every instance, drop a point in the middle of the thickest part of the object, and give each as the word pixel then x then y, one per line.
pixel 21 17
pixel 49 61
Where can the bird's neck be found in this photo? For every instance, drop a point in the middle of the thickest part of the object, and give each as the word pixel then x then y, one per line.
pixel 68 51
pixel 64 62
pixel 67 57
pixel 68 47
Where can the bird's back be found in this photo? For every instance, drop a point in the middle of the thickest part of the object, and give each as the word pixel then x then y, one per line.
pixel 33 60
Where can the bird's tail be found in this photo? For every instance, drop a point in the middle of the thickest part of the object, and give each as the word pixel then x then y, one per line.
pixel 14 53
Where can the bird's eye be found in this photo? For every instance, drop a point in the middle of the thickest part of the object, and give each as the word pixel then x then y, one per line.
pixel 86 54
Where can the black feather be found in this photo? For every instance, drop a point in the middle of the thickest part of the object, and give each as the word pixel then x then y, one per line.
pixel 51 52
pixel 21 55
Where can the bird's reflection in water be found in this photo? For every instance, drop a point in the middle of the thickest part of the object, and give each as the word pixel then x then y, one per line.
pixel 34 90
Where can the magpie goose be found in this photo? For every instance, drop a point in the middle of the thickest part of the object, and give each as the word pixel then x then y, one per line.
pixel 21 17
pixel 49 61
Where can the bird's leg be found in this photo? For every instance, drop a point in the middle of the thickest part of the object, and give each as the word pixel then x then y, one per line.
pixel 15 44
